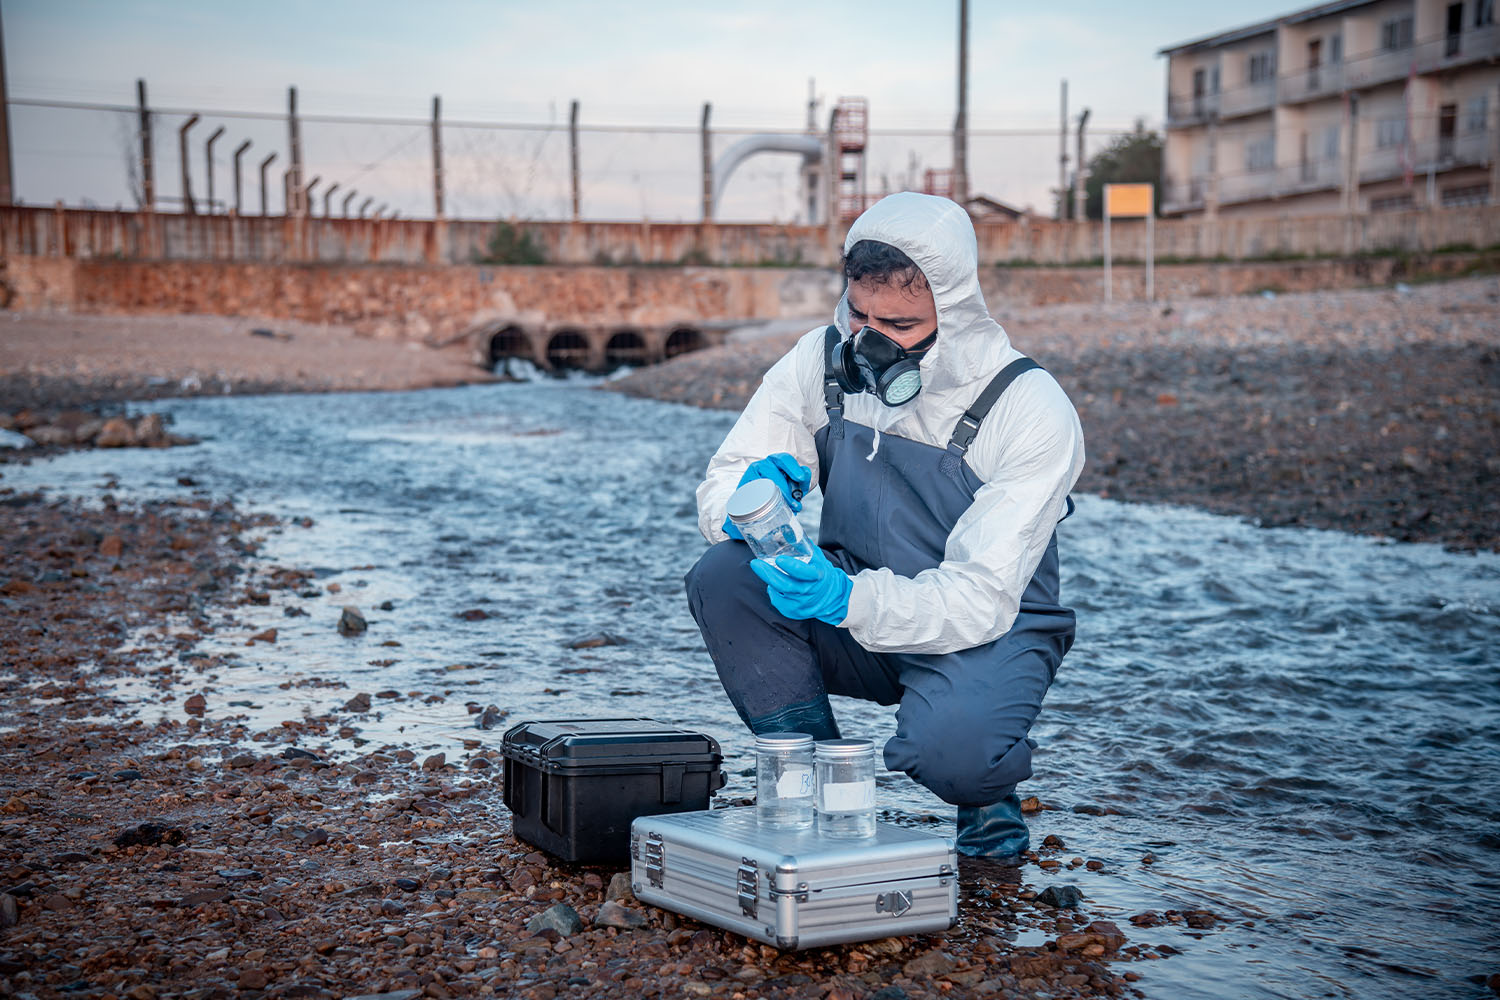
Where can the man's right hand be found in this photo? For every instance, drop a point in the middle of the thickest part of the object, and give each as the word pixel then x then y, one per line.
pixel 790 476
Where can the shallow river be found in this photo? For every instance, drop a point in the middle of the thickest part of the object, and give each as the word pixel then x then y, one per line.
pixel 1302 728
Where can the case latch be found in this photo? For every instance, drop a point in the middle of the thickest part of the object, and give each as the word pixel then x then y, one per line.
pixel 746 886
pixel 655 859
pixel 895 902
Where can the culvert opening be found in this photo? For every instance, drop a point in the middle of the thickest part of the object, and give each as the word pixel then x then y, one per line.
pixel 625 348
pixel 567 349
pixel 508 343
pixel 682 340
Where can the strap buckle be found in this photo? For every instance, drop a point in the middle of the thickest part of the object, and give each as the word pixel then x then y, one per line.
pixel 965 431
pixel 833 394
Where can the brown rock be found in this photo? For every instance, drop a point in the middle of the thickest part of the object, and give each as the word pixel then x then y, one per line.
pixel 10 912
pixel 351 621
pixel 616 914
pixel 359 703
pixel 50 435
pixel 111 547
pixel 252 979
pixel 435 763
pixel 934 963
pixel 151 431
pixel 116 433
pixel 269 635
pixel 195 704
pixel 1031 804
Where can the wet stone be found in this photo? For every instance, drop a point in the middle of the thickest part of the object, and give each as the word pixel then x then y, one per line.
pixel 934 963
pixel 10 911
pixel 240 875
pixel 150 835
pixel 297 753
pixel 351 621
pixel 127 775
pixel 359 703
pixel 1062 897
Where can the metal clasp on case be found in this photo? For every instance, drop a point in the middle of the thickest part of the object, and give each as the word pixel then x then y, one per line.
pixel 746 886
pixel 895 902
pixel 655 860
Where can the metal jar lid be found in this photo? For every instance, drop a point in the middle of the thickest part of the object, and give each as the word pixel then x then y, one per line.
pixel 844 749
pixel 783 741
pixel 752 500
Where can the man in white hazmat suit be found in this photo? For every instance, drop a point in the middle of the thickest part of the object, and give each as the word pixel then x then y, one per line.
pixel 945 458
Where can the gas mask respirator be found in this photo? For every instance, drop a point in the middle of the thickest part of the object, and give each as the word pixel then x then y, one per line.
pixel 869 361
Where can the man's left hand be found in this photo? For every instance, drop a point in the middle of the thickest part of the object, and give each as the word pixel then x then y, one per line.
pixel 800 590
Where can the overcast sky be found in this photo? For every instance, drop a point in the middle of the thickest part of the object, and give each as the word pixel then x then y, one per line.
pixel 651 64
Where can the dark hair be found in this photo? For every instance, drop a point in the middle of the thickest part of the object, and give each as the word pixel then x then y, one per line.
pixel 883 264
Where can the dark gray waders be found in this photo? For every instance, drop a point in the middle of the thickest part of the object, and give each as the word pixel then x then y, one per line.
pixel 963 720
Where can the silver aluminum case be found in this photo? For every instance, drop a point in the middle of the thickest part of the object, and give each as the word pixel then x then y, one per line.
pixel 792 888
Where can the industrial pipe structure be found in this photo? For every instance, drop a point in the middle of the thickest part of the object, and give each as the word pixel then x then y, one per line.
pixel 263 165
pixel 182 154
pixel 239 151
pixel 809 147
pixel 208 156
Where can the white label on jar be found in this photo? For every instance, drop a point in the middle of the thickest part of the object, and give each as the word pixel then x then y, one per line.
pixel 848 796
pixel 795 783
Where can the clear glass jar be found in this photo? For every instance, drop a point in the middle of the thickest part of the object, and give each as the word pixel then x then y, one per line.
pixel 845 793
pixel 767 523
pixel 784 780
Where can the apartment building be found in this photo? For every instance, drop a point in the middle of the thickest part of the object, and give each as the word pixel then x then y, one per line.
pixel 1353 106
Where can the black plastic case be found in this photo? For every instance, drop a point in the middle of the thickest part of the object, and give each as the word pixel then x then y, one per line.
pixel 575 785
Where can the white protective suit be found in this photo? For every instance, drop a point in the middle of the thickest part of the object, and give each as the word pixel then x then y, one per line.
pixel 1029 450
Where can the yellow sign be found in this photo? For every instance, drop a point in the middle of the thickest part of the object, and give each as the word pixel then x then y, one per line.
pixel 1124 201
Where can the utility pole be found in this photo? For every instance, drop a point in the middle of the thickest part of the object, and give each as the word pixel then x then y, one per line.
pixel 573 158
pixel 708 166
pixel 208 156
pixel 148 168
pixel 187 174
pixel 294 136
pixel 437 161
pixel 239 151
pixel 7 186
pixel 1078 169
pixel 1062 159
pixel 961 123
pixel 263 165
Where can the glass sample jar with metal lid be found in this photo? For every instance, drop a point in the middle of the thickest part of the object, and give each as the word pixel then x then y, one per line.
pixel 784 780
pixel 767 523
pixel 845 788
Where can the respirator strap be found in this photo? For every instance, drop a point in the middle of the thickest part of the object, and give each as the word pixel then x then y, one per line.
pixel 833 393
pixel 967 428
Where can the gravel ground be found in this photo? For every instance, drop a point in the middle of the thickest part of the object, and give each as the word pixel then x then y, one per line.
pixel 1375 412
pixel 196 858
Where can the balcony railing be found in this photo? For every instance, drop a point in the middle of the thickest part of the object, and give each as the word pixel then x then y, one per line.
pixel 1184 112
pixel 1310 84
pixel 1247 100
pixel 1309 175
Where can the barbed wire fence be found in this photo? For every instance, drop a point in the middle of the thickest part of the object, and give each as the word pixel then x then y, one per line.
pixel 218 161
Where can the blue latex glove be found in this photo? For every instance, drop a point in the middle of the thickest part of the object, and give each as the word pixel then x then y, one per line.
pixel 790 476
pixel 815 589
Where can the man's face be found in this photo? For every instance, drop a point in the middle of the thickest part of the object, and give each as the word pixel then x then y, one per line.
pixel 906 315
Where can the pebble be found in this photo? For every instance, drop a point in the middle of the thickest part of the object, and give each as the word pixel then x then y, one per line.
pixel 619 887
pixel 359 703
pixel 351 621
pixel 934 963
pixel 10 911
pixel 240 875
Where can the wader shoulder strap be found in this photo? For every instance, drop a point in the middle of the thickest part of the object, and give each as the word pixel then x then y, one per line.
pixel 967 427
pixel 833 393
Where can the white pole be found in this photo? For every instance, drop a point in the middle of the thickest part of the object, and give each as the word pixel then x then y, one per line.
pixel 1150 254
pixel 1108 286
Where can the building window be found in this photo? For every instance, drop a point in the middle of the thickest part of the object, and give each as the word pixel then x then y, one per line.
pixel 1335 48
pixel 1393 203
pixel 1484 13
pixel 1260 154
pixel 1262 67
pixel 1213 81
pixel 1395 34
pixel 1332 136
pixel 1469 194
pixel 1477 114
pixel 1390 132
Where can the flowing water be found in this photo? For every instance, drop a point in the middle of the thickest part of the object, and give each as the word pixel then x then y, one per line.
pixel 1301 728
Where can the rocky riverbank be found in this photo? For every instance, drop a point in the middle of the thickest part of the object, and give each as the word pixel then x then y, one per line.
pixel 198 857
pixel 1373 411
